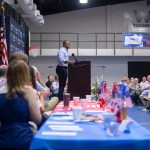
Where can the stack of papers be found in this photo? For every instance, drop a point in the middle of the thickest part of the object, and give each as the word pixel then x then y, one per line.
pixel 65 128
pixel 59 133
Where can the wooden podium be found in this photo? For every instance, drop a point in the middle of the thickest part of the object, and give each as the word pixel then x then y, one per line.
pixel 79 79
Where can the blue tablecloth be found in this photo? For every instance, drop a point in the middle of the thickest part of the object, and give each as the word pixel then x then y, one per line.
pixel 93 137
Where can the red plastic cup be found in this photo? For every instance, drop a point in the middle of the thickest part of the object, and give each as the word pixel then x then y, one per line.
pixel 76 100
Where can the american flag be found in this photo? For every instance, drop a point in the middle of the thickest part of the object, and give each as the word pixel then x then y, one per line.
pixel 3 44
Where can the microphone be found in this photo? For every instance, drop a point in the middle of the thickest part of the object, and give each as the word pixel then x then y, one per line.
pixel 74 57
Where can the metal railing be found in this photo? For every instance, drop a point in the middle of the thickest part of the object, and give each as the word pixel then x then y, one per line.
pixel 53 40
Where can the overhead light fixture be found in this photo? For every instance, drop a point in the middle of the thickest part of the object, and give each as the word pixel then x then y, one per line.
pixel 30 10
pixel 83 1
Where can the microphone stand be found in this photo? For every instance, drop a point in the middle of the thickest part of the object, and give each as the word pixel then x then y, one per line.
pixel 74 57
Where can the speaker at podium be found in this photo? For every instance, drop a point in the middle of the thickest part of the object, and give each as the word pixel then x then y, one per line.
pixel 79 79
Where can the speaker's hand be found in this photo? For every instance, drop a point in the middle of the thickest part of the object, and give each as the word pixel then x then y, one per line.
pixel 69 62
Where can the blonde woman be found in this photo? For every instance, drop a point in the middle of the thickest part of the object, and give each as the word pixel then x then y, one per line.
pixel 17 107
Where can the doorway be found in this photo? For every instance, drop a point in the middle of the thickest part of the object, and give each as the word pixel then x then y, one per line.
pixel 138 69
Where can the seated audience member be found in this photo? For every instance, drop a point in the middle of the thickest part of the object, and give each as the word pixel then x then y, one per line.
pixel 39 83
pixel 40 102
pixel 3 79
pixel 131 79
pixel 49 82
pixel 135 91
pixel 17 107
pixel 39 97
pixel 142 84
pixel 145 90
pixel 55 87
pixel 147 99
pixel 41 87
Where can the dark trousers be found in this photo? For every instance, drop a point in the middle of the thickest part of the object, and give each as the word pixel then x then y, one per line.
pixel 62 74
pixel 135 98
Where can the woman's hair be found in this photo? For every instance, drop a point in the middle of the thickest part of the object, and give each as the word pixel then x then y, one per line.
pixel 17 76
pixel 19 56
pixel 32 75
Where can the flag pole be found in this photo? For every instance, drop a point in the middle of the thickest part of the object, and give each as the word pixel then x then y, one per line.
pixel 3 43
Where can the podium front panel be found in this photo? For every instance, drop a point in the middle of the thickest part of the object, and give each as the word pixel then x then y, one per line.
pixel 79 79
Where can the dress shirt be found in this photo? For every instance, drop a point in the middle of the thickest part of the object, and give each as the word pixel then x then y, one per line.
pixel 145 92
pixel 39 86
pixel 62 56
pixel 145 84
pixel 55 87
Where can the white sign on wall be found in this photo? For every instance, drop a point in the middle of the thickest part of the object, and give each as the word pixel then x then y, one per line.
pixel 137 21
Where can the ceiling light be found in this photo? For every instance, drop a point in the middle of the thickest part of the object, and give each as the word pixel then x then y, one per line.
pixel 83 1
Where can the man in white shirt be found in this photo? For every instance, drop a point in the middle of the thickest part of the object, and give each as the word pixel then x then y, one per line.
pixel 62 66
pixel 145 90
pixel 144 82
pixel 55 87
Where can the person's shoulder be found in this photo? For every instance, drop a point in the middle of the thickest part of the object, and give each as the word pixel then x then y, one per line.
pixel 28 91
pixel 62 49
pixel 37 83
pixel 53 83
pixel 28 87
